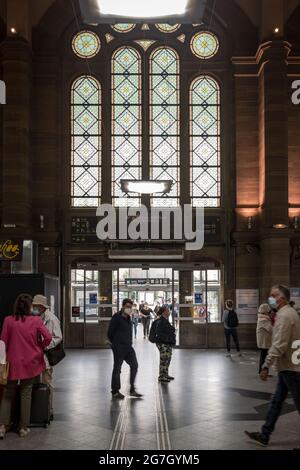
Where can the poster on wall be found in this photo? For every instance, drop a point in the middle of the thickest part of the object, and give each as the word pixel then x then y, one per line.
pixel 198 298
pixel 247 303
pixel 75 312
pixel 295 295
pixel 93 298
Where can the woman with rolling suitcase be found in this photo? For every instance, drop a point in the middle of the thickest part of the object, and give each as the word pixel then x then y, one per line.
pixel 25 337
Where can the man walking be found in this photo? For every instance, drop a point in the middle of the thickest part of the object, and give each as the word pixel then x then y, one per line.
pixel 120 336
pixel 282 354
pixel 51 322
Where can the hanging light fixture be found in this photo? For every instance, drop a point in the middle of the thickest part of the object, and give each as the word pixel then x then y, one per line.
pixel 143 11
pixel 146 187
pixel 142 8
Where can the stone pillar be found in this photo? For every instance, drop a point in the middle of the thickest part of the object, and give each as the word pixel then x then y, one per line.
pixel 16 65
pixel 275 264
pixel 273 151
pixel 273 113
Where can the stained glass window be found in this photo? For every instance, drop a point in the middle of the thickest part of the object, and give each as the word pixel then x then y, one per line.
pixel 86 142
pixel 164 122
pixel 205 45
pixel 167 28
pixel 86 44
pixel 205 142
pixel 123 27
pixel 126 122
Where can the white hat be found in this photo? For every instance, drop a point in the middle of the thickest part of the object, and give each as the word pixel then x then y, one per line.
pixel 40 300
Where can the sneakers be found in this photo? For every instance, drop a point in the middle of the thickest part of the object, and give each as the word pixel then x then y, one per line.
pixel 118 396
pixel 24 432
pixel 135 394
pixel 2 432
pixel 164 380
pixel 258 438
pixel 228 355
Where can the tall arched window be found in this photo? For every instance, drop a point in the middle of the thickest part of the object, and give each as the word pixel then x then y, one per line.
pixel 164 122
pixel 86 142
pixel 126 123
pixel 205 142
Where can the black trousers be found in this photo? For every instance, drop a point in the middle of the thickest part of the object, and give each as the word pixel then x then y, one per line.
pixel 287 381
pixel 146 325
pixel 263 355
pixel 121 354
pixel 232 332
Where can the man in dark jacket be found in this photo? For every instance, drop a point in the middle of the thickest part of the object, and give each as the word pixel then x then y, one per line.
pixel 120 336
pixel 165 340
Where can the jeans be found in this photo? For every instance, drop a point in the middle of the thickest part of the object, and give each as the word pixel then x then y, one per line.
pixel 165 354
pixel 146 325
pixel 263 355
pixel 135 323
pixel 9 395
pixel 121 354
pixel 288 381
pixel 232 332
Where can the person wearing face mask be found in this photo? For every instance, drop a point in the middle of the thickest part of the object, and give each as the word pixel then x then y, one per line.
pixel 120 336
pixel 282 355
pixel 51 322
pixel 25 338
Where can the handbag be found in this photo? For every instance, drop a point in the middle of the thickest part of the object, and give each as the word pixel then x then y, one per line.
pixel 4 370
pixel 55 355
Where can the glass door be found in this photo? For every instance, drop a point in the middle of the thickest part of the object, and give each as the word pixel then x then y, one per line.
pixel 200 305
pixel 85 304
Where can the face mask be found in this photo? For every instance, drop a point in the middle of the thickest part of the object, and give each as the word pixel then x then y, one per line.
pixel 272 302
pixel 127 311
pixel 35 311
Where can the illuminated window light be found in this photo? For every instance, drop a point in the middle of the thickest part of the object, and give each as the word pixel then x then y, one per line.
pixel 142 9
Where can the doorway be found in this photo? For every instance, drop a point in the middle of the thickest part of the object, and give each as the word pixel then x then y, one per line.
pixel 194 297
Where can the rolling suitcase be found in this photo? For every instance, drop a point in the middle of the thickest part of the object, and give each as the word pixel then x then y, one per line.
pixel 40 409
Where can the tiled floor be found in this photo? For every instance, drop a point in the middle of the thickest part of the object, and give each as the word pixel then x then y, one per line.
pixel 209 405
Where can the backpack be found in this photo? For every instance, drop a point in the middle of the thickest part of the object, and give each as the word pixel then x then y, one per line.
pixel 232 320
pixel 152 335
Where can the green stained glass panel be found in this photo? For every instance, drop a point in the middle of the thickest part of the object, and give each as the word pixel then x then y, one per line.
pixel 123 27
pixel 126 122
pixel 86 44
pixel 204 45
pixel 85 142
pixel 205 142
pixel 164 123
pixel 167 28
